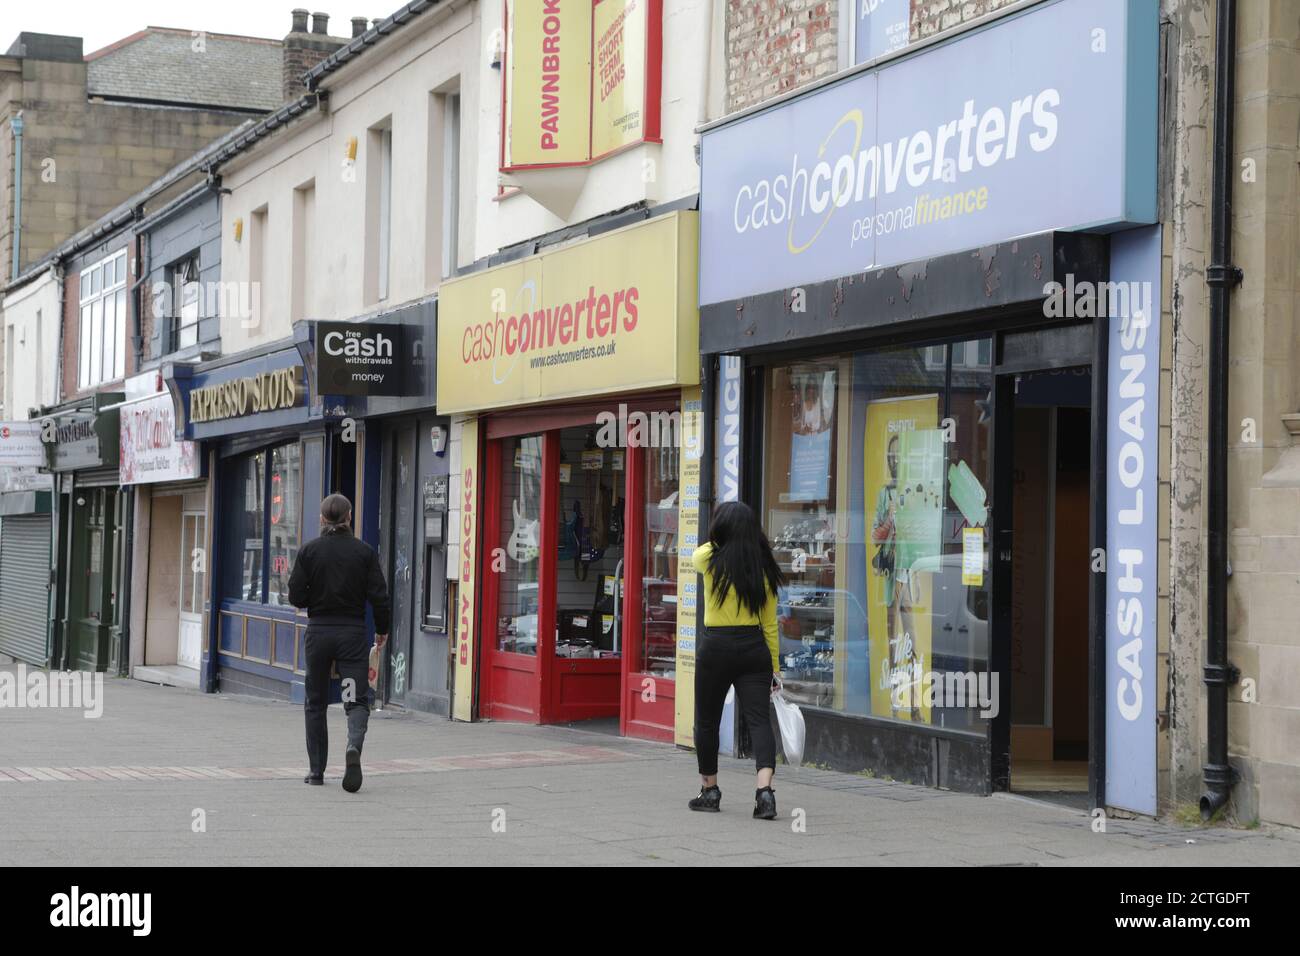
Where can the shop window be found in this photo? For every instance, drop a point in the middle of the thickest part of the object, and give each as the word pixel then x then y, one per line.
pixel 589 571
pixel 521 520
pixel 264 502
pixel 659 563
pixel 285 505
pixel 874 492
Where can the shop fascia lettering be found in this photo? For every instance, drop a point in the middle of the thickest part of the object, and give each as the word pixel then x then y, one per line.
pixel 995 134
pixel 264 392
pixel 358 345
pixel 548 326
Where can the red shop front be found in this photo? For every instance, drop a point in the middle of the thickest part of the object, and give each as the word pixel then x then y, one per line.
pixel 579 570
pixel 576 544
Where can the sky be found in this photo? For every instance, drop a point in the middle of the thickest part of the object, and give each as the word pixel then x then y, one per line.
pixel 101 22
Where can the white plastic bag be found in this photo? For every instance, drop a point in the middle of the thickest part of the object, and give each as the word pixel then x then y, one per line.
pixel 790 719
pixel 727 732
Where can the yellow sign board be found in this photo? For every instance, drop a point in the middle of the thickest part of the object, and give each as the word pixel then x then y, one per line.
pixel 610 314
pixel 548 98
pixel 688 539
pixel 619 71
pixel 462 704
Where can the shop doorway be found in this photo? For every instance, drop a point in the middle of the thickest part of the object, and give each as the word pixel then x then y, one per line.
pixel 1044 489
pixel 189 641
pixel 580 573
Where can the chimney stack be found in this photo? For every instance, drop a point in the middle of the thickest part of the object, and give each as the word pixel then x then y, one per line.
pixel 302 49
pixel 358 26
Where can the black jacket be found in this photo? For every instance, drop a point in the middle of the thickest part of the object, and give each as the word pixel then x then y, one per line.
pixel 333 578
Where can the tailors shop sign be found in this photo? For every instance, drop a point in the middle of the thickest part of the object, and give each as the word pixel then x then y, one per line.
pixel 608 314
pixel 150 451
pixel 1043 120
pixel 359 358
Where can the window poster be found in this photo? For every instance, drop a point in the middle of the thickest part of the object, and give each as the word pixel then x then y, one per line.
pixel 903 472
pixel 812 408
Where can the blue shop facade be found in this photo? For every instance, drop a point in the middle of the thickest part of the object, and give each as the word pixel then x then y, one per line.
pixel 276 441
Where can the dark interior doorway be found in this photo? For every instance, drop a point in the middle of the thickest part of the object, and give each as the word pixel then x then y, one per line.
pixel 1045 486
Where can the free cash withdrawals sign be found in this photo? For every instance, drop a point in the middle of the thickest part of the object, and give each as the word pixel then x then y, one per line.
pixel 1043 120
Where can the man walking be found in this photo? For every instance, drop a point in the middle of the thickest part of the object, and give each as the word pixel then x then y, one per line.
pixel 333 578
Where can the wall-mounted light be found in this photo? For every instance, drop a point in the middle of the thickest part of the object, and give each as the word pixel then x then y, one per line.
pixel 239 230
pixel 352 149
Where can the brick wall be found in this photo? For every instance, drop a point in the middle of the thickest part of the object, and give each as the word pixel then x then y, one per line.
pixel 774 46
pixel 302 51
pixel 934 16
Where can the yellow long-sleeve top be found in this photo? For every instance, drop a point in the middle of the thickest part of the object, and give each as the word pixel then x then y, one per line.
pixel 731 614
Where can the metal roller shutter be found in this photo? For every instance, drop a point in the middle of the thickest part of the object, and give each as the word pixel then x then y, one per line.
pixel 25 587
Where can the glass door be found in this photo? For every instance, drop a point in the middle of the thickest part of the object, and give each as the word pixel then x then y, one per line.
pixel 516 572
pixel 189 645
pixel 649 685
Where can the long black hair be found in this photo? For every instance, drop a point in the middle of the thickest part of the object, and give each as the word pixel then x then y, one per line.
pixel 742 557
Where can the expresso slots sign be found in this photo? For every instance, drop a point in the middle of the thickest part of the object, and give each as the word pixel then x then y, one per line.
pixel 251 395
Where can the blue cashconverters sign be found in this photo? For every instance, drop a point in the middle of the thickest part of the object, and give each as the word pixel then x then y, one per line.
pixel 1043 120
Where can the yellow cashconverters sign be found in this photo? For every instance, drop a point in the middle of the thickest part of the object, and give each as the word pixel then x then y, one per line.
pixel 606 315
pixel 548 97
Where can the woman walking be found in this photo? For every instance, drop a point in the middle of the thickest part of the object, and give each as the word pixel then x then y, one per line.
pixel 739 647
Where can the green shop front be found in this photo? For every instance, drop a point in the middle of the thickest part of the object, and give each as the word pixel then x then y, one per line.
pixel 90 517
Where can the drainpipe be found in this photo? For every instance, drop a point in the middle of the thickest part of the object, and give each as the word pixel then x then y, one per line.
pixel 1221 275
pixel 16 124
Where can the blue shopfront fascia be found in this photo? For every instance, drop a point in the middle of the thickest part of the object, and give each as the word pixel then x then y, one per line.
pixel 1042 120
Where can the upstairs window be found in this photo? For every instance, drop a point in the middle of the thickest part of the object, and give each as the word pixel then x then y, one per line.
pixel 102 343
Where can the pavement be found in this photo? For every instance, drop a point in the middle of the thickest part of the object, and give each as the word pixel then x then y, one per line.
pixel 168 776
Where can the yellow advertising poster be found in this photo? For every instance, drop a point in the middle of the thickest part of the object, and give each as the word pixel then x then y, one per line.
pixel 903 470
pixel 609 314
pixel 462 704
pixel 618 63
pixel 548 97
pixel 688 539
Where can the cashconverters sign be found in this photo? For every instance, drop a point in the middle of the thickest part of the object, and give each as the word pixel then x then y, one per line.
pixel 1043 120
pixel 608 314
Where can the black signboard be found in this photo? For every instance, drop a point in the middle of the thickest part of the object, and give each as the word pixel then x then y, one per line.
pixel 360 358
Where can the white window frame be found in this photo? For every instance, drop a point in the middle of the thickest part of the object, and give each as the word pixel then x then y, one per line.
pixel 102 322
pixel 186 307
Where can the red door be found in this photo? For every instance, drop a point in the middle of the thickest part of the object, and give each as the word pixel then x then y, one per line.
pixel 579 577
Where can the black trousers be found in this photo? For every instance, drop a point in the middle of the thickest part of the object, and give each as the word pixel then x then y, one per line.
pixel 726 657
pixel 347 646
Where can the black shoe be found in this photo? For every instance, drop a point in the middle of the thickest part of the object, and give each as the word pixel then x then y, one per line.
pixel 352 775
pixel 764 804
pixel 314 780
pixel 709 800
